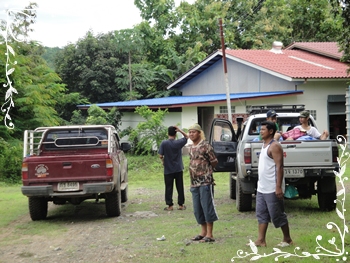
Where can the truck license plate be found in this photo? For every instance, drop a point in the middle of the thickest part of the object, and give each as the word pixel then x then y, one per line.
pixel 295 172
pixel 68 186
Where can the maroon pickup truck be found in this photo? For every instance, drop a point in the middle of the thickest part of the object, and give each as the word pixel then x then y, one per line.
pixel 72 164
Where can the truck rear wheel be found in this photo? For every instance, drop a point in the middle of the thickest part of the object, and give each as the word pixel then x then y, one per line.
pixel 232 187
pixel 125 195
pixel 326 194
pixel 37 208
pixel 113 203
pixel 243 201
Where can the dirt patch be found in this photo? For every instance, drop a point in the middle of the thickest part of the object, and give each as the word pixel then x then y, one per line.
pixel 87 235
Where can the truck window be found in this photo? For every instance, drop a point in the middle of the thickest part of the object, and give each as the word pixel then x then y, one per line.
pixel 255 126
pixel 222 133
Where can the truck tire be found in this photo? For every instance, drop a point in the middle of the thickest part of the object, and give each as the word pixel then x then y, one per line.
pixel 326 194
pixel 124 195
pixel 37 208
pixel 232 187
pixel 243 201
pixel 113 203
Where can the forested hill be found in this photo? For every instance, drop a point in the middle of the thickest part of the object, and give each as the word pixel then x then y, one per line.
pixel 50 55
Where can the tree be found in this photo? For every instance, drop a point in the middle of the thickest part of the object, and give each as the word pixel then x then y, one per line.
pixel 148 135
pixel 89 67
pixel 39 89
pixel 342 8
pixel 67 104
pixel 129 41
pixel 313 21
pixel 32 85
pixel 99 116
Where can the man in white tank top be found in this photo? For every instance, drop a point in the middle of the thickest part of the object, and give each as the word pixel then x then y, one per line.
pixel 269 199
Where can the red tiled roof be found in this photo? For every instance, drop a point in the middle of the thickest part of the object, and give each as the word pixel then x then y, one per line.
pixel 329 49
pixel 295 64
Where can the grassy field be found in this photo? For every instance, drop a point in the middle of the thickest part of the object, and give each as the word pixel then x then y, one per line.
pixel 232 231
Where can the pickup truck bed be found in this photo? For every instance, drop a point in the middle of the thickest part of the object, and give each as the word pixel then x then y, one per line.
pixel 318 153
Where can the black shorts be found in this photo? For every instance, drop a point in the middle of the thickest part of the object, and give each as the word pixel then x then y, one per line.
pixel 270 209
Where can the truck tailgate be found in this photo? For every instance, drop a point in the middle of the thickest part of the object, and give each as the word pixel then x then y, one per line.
pixel 300 153
pixel 68 167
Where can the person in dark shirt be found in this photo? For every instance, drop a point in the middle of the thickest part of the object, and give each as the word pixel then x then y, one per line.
pixel 170 152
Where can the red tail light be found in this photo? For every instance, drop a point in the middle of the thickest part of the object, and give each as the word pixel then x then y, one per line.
pixel 24 171
pixel 109 167
pixel 247 155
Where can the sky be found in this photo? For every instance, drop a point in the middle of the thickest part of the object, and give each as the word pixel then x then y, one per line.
pixel 59 23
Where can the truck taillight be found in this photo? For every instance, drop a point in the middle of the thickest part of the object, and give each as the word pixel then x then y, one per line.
pixel 335 154
pixel 24 171
pixel 247 155
pixel 109 167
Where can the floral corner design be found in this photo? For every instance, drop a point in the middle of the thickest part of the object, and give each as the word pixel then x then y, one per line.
pixel 7 33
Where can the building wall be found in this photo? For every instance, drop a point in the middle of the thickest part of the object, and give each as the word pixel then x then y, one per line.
pixel 210 81
pixel 241 79
pixel 189 116
pixel 131 119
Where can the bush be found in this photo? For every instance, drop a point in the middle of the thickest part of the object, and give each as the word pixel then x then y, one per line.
pixel 148 135
pixel 10 161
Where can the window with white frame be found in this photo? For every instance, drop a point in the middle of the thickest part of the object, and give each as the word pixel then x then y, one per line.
pixel 313 113
pixel 223 109
pixel 247 108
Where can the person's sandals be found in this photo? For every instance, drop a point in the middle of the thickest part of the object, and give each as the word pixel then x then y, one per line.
pixel 206 239
pixel 182 207
pixel 197 238
pixel 284 244
pixel 168 208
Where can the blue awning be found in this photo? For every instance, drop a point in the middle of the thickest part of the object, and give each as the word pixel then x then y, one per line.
pixel 183 101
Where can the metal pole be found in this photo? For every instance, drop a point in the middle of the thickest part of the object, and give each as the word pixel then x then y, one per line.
pixel 228 98
pixel 347 119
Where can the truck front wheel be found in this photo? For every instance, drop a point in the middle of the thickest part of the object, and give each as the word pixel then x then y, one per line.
pixel 113 203
pixel 243 201
pixel 37 208
pixel 232 187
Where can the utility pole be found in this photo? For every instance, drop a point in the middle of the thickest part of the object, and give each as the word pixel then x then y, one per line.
pixel 228 98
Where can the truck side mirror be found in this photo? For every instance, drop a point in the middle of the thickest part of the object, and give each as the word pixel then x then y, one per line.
pixel 125 146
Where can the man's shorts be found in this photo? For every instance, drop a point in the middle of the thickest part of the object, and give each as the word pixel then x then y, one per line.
pixel 203 204
pixel 270 208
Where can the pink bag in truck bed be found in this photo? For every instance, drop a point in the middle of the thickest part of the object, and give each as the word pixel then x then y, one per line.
pixel 293 133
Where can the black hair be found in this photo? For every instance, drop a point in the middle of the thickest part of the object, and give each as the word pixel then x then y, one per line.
pixel 171 131
pixel 270 126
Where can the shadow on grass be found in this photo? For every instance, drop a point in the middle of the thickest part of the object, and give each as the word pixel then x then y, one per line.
pixel 84 212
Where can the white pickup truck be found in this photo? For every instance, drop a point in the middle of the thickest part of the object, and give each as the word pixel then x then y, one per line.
pixel 308 164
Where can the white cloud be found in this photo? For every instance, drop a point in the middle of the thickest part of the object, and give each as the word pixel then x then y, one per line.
pixel 64 21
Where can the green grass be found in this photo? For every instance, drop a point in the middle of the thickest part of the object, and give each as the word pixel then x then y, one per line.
pixel 12 203
pixel 138 236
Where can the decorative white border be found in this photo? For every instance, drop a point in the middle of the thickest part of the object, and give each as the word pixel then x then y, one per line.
pixel 340 253
pixel 9 66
